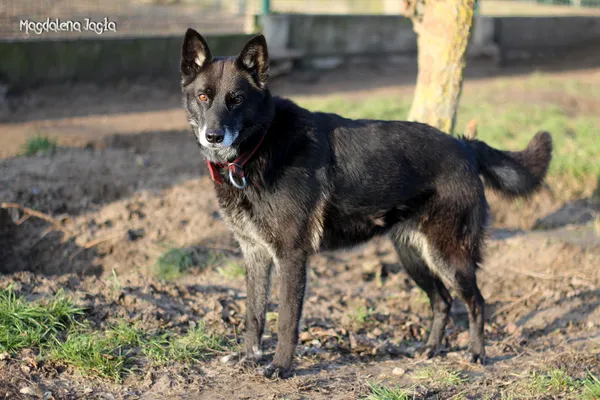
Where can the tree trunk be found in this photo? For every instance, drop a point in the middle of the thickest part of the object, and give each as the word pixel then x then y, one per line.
pixel 443 29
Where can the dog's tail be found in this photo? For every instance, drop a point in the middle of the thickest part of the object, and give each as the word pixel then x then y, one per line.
pixel 514 174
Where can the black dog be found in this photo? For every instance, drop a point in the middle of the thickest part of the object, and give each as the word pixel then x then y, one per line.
pixel 291 182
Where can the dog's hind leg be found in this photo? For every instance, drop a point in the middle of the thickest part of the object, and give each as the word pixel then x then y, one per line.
pixel 466 283
pixel 439 297
pixel 461 276
pixel 432 257
pixel 455 263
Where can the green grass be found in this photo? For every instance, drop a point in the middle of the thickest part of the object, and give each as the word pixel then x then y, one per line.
pixel 554 382
pixel 114 353
pixel 440 376
pixel 92 353
pixel 359 315
pixel 383 107
pixel 173 264
pixel 27 324
pixel 39 145
pixel 591 387
pixel 232 270
pixel 197 344
pixel 54 328
pixel 125 334
pixel 507 126
pixel 511 127
pixel 176 262
pixel 540 80
pixel 382 392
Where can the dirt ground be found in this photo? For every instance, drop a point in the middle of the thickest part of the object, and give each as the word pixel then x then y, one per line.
pixel 127 180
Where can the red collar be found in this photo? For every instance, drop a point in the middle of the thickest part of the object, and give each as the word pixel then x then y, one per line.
pixel 235 168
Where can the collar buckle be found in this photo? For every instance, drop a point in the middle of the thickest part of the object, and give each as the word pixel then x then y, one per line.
pixel 235 168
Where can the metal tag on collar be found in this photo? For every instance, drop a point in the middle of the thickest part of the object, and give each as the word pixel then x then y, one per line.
pixel 236 167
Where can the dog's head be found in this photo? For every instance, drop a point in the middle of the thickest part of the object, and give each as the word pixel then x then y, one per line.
pixel 226 98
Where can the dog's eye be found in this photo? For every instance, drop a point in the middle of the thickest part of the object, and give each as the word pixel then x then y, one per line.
pixel 203 97
pixel 237 99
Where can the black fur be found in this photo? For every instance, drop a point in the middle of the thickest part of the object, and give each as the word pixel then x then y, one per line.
pixel 515 173
pixel 321 181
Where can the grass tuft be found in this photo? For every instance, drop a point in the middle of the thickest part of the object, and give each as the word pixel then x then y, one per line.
pixel 173 264
pixel 383 392
pixel 197 344
pixel 591 387
pixel 443 376
pixel 92 353
pixel 28 324
pixel 39 145
pixel 358 316
pixel 555 382
pixel 52 328
pixel 176 262
pixel 126 334
pixel 113 353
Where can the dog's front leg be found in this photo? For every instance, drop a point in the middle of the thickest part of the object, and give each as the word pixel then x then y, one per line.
pixel 258 264
pixel 258 282
pixel 291 297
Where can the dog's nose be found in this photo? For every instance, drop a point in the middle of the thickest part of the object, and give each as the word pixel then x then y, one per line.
pixel 214 137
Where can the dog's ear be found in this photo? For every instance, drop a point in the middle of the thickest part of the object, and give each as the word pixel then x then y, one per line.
pixel 254 58
pixel 194 54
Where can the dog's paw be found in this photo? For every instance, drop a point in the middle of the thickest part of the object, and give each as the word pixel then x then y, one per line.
pixel 427 352
pixel 273 371
pixel 475 358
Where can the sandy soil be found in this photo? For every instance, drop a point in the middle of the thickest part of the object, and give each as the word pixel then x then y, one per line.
pixel 129 165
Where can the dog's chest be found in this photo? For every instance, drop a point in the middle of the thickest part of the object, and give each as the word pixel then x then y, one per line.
pixel 238 214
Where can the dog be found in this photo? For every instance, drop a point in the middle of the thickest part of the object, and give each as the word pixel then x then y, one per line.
pixel 291 182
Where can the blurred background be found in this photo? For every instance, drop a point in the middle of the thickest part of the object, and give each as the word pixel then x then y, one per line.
pixel 104 198
pixel 168 17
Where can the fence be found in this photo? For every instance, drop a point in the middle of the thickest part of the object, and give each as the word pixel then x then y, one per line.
pixel 72 19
